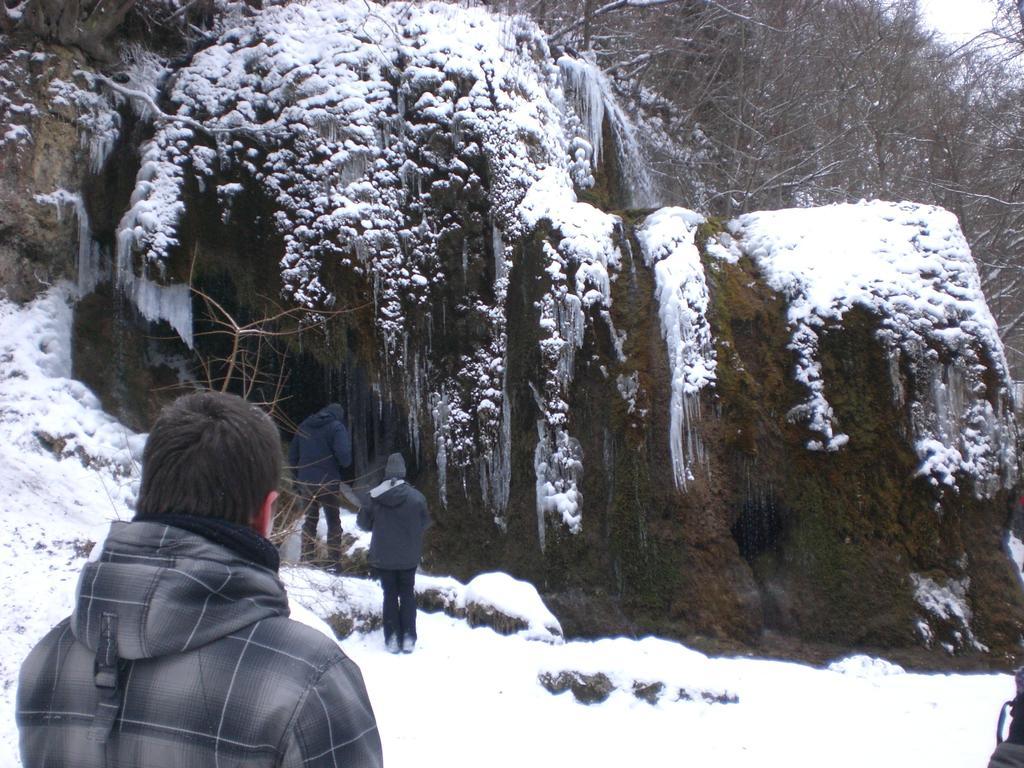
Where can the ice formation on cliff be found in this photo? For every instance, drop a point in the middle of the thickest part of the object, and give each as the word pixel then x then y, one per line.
pixel 667 239
pixel 334 113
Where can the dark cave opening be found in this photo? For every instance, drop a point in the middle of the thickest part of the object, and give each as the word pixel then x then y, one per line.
pixel 758 528
pixel 301 374
pixel 379 426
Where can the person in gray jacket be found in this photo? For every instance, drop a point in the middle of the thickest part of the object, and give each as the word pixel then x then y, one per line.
pixel 180 651
pixel 1009 752
pixel 397 514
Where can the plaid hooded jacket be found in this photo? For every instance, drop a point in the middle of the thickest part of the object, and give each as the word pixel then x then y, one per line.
pixel 180 653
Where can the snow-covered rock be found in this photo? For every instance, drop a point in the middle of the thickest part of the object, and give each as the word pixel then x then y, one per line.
pixel 509 606
pixel 379 136
pixel 910 266
pixel 947 613
pixel 860 665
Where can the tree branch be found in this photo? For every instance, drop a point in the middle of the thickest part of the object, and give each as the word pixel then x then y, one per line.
pixel 160 116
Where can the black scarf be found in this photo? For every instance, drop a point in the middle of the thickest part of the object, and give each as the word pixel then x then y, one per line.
pixel 240 539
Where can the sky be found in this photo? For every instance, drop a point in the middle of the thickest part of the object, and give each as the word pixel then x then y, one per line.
pixel 958 20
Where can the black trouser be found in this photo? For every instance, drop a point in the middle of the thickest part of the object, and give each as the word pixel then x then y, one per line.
pixel 315 497
pixel 399 603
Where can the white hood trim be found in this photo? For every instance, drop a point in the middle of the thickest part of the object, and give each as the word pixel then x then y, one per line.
pixel 386 486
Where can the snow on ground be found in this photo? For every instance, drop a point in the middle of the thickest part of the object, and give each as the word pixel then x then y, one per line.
pixel 465 695
pixel 464 690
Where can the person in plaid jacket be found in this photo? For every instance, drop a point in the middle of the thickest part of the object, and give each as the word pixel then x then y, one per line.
pixel 180 651
pixel 1010 749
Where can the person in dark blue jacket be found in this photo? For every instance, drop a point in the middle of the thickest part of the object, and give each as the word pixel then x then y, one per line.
pixel 319 455
pixel 397 514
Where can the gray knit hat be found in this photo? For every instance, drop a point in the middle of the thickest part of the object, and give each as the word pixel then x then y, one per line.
pixel 395 468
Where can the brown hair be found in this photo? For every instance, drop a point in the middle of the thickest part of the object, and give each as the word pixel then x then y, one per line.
pixel 209 454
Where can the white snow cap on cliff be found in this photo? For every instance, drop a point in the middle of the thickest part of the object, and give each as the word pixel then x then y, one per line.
pixel 909 265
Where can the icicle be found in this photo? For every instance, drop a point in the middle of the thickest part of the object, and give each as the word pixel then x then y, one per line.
pixel 498 246
pixel 592 99
pixel 353 168
pixel 362 254
pixel 557 462
pixel 571 326
pixel 640 189
pixel 667 242
pixel 541 457
pixel 618 338
pixel 504 468
pixel 155 302
pixel 412 379
pixel 101 142
pixel 626 245
pixel 899 394
pixel 169 303
pixel 88 257
pixel 496 464
pixel 440 411
pixel 585 89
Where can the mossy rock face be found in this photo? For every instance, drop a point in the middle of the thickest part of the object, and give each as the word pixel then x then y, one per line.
pixel 995 588
pixel 589 612
pixel 848 541
pixel 41 154
pixel 767 539
pixel 649 692
pixel 833 538
pixel 133 368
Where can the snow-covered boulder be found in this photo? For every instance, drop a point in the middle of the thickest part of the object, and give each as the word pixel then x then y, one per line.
pixel 341 604
pixel 441 593
pixel 867 667
pixel 509 606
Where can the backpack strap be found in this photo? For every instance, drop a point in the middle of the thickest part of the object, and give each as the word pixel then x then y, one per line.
pixel 105 675
pixel 1002 722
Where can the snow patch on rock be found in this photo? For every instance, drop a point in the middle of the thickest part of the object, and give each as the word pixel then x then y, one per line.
pixel 947 603
pixel 866 667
